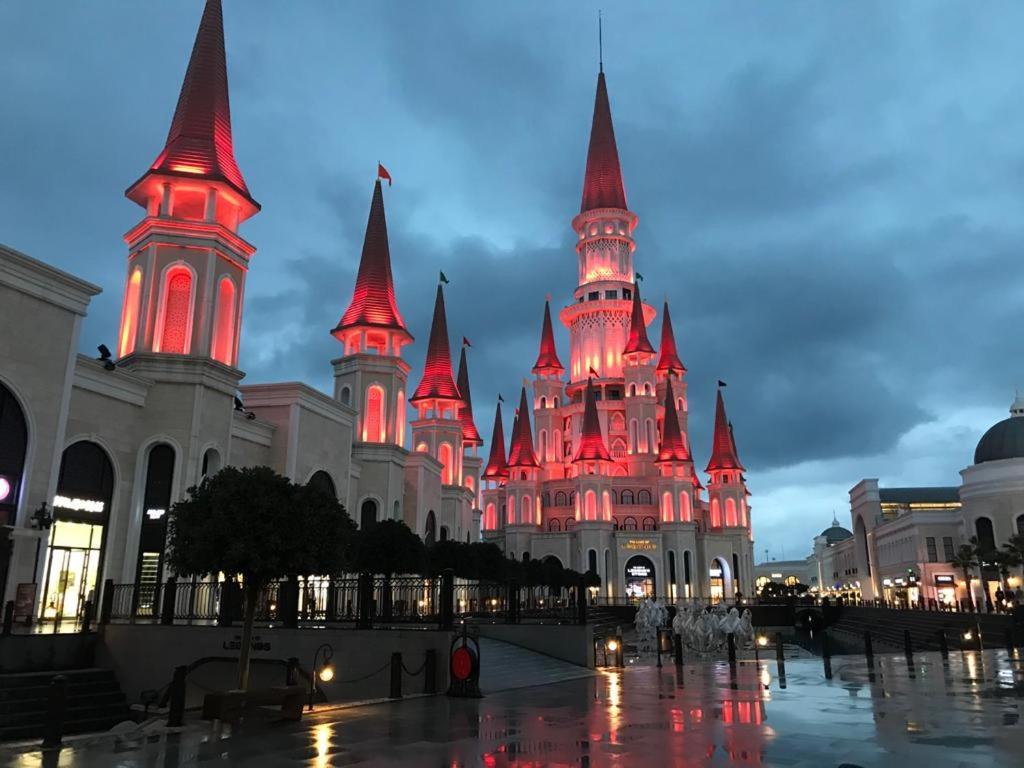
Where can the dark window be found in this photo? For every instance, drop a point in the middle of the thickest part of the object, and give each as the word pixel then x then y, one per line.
pixel 614 394
pixel 593 296
pixel 554 525
pixel 650 524
pixel 671 567
pixel 933 551
pixel 627 293
pixel 368 514
pixel 611 294
pixel 156 501
pixel 627 496
pixel 629 524
pixel 561 500
pixel 430 533
pixel 592 560
pixel 323 482
pixel 986 536
pixel 444 533
pixel 1020 524
pixel 686 567
pixel 13 443
pixel 643 497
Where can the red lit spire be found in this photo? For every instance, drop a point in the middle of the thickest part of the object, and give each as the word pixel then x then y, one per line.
pixel 723 450
pixel 637 343
pixel 602 185
pixel 673 446
pixel 592 447
pixel 668 360
pixel 469 434
pixel 199 144
pixel 437 382
pixel 373 299
pixel 547 358
pixel 496 468
pixel 520 451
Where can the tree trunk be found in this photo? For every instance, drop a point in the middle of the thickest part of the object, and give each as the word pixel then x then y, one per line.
pixel 252 593
pixel 970 596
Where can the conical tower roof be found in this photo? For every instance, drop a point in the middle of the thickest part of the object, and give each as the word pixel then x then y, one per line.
pixel 547 357
pixel 723 448
pixel 637 342
pixel 470 436
pixel 668 359
pixel 373 299
pixel 602 184
pixel 497 467
pixel 673 445
pixel 437 382
pixel 199 144
pixel 592 447
pixel 520 451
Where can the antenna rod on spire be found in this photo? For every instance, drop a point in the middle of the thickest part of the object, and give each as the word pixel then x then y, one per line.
pixel 600 44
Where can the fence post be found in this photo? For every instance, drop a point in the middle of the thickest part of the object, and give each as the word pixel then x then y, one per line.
pixel 229 593
pixel 331 607
pixel 908 646
pixel 430 672
pixel 8 617
pixel 288 602
pixel 396 675
pixel 176 707
pixel 107 602
pixel 511 597
pixel 86 617
pixel 868 650
pixel 364 599
pixel 943 644
pixel 169 601
pixel 581 603
pixel 447 598
pixel 386 602
pixel 56 712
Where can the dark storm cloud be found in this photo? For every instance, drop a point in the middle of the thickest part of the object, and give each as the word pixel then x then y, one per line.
pixel 830 195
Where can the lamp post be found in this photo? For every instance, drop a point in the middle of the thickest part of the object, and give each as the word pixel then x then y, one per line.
pixel 324 674
pixel 42 520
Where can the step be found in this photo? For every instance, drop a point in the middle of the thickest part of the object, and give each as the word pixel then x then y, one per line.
pixel 39 704
pixel 86 725
pixel 112 710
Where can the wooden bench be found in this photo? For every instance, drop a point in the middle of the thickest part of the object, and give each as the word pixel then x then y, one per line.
pixel 229 706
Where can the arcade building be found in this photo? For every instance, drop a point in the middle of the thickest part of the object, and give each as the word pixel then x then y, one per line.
pixel 94 451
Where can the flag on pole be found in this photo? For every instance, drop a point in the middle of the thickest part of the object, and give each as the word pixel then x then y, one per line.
pixel 443 279
pixel 382 173
pixel 500 398
pixel 465 342
pixel 594 373
pixel 639 277
pixel 721 383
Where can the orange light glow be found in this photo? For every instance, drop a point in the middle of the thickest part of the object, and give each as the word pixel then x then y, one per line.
pixel 130 316
pixel 182 168
pixel 224 323
pixel 177 307
pixel 374 422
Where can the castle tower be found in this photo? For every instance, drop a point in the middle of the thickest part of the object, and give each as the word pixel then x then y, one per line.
pixel 548 397
pixel 471 440
pixel 494 477
pixel 591 463
pixel 668 365
pixel 677 494
pixel 371 376
pixel 186 262
pixel 598 319
pixel 437 429
pixel 727 490
pixel 641 395
pixel 523 504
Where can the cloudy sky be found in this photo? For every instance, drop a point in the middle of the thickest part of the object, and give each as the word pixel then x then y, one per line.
pixel 830 195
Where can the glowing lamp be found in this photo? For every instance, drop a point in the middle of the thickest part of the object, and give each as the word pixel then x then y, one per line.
pixel 326 673
pixel 762 640
pixel 612 646
pixel 5 488
pixel 968 635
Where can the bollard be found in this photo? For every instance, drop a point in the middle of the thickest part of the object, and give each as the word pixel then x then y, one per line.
pixel 168 601
pixel 908 646
pixel 731 640
pixel 8 617
pixel 1009 640
pixel 780 658
pixel 290 669
pixel 677 648
pixel 826 655
pixel 869 651
pixel 430 672
pixel 619 660
pixel 107 602
pixel 364 598
pixel 396 675
pixel 176 706
pixel 86 617
pixel 447 598
pixel 56 711
pixel 943 644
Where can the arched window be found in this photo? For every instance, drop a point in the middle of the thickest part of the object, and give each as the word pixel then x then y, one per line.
pixel 543 402
pixel 430 529
pixel 592 560
pixel 374 423
pixel 672 568
pixel 629 524
pixel 323 483
pixel 618 448
pixel 444 533
pixel 986 535
pixel 156 500
pixel 685 511
pixel 224 323
pixel 422 448
pixel 650 524
pixel 632 390
pixel 618 422
pixel 13 445
pixel 561 500
pixel 650 436
pixel 175 320
pixel 130 313
pixel 643 497
pixel 743 512
pixel 667 511
pixel 542 444
pixel 687 588
pixel 444 455
pixel 545 499
pixel 536 504
pixel 590 505
pixel 368 514
pixel 1020 524
pixel 633 429
pixel 606 505
pixel 400 419
pixel 511 507
pixel 647 387
pixel 716 514
pixel 736 573
pixel 490 518
pixel 555 401
pixel 730 512
pixel 526 510
pixel 346 395
pixel 556 445
pixel 554 524
pixel 627 496
pixel 211 462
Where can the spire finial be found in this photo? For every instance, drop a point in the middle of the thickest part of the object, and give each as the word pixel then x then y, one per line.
pixel 600 44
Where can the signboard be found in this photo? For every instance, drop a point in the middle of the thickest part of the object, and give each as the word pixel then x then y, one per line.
pixel 24 601
pixel 641 571
pixel 886 582
pixel 641 544
pixel 715 573
pixel 945 579
pixel 900 581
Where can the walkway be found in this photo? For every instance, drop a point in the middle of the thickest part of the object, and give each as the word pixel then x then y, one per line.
pixel 504 667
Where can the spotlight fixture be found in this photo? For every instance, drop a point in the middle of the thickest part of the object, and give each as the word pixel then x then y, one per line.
pixel 239 405
pixel 106 357
pixel 250 416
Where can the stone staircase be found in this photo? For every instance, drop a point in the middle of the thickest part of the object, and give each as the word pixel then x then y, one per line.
pixel 504 666
pixel 95 702
pixel 887 627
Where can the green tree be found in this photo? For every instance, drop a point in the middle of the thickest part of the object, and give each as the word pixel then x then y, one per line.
pixel 259 526
pixel 388 547
pixel 966 559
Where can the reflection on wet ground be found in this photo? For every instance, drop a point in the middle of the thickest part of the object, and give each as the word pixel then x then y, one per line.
pixel 962 713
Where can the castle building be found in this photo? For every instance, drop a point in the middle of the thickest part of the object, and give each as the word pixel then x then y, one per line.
pixel 605 480
pixel 94 451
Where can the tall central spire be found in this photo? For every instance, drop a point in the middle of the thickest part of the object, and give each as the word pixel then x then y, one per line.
pixel 199 144
pixel 723 449
pixel 437 382
pixel 470 435
pixel 602 185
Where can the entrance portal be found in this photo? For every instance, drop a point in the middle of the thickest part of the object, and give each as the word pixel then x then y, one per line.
pixel 717 576
pixel 640 582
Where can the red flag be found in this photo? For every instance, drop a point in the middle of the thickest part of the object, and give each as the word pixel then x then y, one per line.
pixel 382 173
pixel 594 373
pixel 465 342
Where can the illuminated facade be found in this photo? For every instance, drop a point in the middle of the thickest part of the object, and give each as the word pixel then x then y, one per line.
pixel 605 480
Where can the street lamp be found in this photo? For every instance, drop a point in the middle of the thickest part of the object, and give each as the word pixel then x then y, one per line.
pixel 324 672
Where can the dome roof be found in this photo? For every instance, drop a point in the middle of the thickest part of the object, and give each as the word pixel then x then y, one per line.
pixel 836 533
pixel 1004 440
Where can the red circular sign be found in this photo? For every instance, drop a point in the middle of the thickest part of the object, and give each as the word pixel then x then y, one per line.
pixel 462 663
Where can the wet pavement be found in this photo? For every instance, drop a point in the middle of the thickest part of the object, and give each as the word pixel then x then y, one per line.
pixel 963 713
